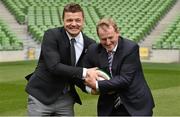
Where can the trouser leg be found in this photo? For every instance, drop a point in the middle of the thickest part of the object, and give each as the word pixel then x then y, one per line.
pixel 64 106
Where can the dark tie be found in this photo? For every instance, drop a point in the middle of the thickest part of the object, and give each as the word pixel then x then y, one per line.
pixel 73 52
pixel 73 62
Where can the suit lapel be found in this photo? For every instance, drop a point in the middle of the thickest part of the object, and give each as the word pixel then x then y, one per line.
pixel 64 45
pixel 65 38
pixel 117 58
pixel 102 58
pixel 85 44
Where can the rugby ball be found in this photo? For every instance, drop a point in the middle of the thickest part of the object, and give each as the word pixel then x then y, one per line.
pixel 103 75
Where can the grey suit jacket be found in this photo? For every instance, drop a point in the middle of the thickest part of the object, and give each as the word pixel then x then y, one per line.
pixel 54 68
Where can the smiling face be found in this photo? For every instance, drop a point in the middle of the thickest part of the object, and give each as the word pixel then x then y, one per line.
pixel 108 37
pixel 73 22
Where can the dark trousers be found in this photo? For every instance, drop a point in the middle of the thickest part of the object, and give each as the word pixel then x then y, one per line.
pixel 120 111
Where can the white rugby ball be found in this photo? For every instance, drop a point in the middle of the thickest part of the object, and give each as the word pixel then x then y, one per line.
pixel 103 75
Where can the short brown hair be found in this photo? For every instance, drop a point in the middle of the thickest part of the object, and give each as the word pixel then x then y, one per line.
pixel 107 22
pixel 72 7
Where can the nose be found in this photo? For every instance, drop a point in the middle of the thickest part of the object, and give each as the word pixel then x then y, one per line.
pixel 108 42
pixel 73 23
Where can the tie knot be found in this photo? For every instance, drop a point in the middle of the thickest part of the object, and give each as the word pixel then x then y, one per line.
pixel 110 53
pixel 73 40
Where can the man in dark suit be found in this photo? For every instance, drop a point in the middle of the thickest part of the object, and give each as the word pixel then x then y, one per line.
pixel 126 93
pixel 51 87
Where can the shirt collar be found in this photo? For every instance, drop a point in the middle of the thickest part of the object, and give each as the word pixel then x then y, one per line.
pixel 115 48
pixel 77 38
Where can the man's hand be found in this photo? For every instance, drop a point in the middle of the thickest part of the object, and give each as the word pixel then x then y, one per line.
pixel 91 75
pixel 91 82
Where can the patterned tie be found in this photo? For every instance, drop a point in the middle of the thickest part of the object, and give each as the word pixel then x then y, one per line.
pixel 110 59
pixel 117 101
pixel 73 52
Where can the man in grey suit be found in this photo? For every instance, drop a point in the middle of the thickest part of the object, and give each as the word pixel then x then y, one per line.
pixel 51 86
pixel 126 93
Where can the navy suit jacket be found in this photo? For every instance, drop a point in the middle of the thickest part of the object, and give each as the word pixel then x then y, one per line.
pixel 128 80
pixel 54 68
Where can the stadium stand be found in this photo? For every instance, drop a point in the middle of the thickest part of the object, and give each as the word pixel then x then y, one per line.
pixel 169 39
pixel 8 40
pixel 17 8
pixel 136 17
pixel 137 20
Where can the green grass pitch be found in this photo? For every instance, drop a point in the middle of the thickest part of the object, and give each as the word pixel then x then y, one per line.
pixel 163 79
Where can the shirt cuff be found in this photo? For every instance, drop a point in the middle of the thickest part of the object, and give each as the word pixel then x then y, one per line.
pixel 84 72
pixel 88 89
pixel 97 86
